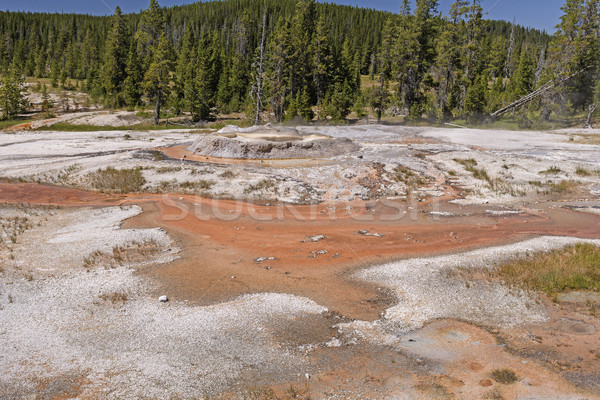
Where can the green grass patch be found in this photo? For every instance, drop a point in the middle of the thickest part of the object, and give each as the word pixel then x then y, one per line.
pixel 244 123
pixel 66 127
pixel 7 123
pixel 118 180
pixel 465 162
pixel 478 173
pixel 572 268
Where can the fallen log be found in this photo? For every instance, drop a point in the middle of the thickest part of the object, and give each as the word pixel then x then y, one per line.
pixel 535 94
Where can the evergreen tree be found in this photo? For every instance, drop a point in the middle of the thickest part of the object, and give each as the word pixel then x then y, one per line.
pixel 184 72
pixel 131 85
pixel 158 76
pixel 449 53
pixel 12 99
pixel 405 8
pixel 201 89
pixel 279 68
pixel 321 59
pixel 476 99
pixel 89 56
pixel 301 35
pixel 46 104
pixel 114 70
pixel 523 79
pixel 151 27
pixel 338 102
pixel 386 60
pixel 240 66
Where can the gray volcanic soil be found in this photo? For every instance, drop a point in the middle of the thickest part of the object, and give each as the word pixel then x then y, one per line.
pixel 270 143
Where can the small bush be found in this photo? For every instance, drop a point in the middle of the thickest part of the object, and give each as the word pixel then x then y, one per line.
pixel 581 171
pixel 228 174
pixel 553 170
pixel 408 177
pixel 157 155
pixel 563 186
pixel 201 184
pixel 494 394
pixel 114 298
pixel 504 376
pixel 265 184
pixel 167 170
pixel 118 180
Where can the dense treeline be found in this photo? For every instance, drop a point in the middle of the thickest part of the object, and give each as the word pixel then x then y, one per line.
pixel 302 59
pixel 458 67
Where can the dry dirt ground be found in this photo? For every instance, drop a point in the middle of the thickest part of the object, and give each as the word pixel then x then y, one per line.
pixel 326 278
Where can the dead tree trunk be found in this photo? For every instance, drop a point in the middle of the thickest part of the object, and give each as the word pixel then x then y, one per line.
pixel 259 73
pixel 591 110
pixel 157 108
pixel 511 46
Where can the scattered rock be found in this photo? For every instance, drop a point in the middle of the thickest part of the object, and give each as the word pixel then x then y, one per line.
pixel 485 383
pixel 365 232
pixel 317 238
pixel 261 259
pixel 163 299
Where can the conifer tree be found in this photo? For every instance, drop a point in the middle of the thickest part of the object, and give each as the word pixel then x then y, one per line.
pixel 115 59
pixel 449 53
pixel 523 79
pixel 239 72
pixel 184 72
pixel 46 105
pixel 279 68
pixel 150 29
pixel 131 85
pixel 321 53
pixel 476 99
pixel 301 35
pixel 12 99
pixel 89 55
pixel 390 39
pixel 338 102
pixel 158 76
pixel 201 90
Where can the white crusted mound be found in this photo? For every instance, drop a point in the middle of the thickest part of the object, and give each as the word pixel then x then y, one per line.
pixel 267 142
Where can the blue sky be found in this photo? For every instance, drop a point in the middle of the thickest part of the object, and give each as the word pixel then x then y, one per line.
pixel 542 14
